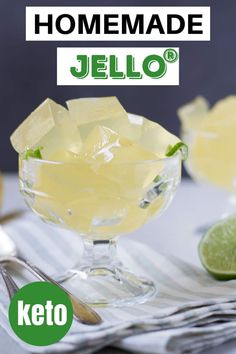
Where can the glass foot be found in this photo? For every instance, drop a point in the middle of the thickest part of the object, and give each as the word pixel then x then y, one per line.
pixel 101 280
pixel 109 287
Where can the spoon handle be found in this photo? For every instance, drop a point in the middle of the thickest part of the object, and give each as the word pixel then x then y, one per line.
pixel 82 311
pixel 11 286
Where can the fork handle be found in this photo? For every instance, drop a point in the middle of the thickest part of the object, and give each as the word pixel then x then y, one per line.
pixel 82 311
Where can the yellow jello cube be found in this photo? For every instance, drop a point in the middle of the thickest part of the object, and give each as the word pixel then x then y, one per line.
pixel 155 138
pixel 105 111
pixel 116 157
pixel 39 123
pixel 212 144
pixel 62 143
pixel 95 109
pixel 192 113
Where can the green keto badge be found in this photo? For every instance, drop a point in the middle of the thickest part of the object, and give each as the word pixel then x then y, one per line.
pixel 40 313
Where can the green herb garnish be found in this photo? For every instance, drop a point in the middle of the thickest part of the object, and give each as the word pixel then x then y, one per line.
pixel 34 153
pixel 180 146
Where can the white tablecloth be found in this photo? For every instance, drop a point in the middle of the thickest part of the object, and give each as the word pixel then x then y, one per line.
pixel 174 232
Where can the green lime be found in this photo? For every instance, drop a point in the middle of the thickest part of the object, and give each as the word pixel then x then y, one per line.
pixel 217 249
pixel 180 146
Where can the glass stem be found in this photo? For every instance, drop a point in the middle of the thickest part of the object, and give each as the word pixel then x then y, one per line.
pixel 100 254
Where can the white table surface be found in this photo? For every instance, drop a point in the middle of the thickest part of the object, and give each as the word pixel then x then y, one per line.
pixel 174 232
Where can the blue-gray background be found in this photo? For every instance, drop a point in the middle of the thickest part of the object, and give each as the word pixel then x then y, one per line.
pixel 28 69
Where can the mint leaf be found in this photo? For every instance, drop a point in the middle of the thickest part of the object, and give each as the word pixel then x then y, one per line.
pixel 36 153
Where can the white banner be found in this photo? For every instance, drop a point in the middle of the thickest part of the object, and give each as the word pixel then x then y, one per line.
pixel 118 66
pixel 177 23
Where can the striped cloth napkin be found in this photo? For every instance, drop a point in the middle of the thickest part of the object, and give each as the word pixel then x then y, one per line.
pixel 190 313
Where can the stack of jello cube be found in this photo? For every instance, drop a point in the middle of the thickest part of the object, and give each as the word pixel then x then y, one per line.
pixel 94 162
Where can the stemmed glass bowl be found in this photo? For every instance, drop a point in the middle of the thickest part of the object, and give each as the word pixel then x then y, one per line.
pixel 100 207
pixel 212 161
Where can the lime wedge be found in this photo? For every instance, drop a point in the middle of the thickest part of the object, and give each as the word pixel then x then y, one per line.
pixel 180 146
pixel 36 153
pixel 217 249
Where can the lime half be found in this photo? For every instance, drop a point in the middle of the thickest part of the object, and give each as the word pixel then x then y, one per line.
pixel 217 249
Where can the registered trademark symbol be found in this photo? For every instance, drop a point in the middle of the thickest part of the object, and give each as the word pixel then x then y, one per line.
pixel 171 55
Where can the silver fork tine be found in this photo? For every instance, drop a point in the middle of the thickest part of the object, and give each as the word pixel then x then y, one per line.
pixel 11 286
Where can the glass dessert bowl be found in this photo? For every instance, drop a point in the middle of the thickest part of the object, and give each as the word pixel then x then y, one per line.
pixel 102 177
pixel 100 209
pixel 211 137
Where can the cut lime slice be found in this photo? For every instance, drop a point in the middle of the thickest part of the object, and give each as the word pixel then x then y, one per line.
pixel 180 146
pixel 36 153
pixel 217 249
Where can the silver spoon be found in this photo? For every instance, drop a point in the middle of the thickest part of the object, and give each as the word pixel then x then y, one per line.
pixel 8 254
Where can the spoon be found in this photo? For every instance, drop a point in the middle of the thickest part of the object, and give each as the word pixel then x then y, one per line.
pixel 9 254
pixel 11 216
